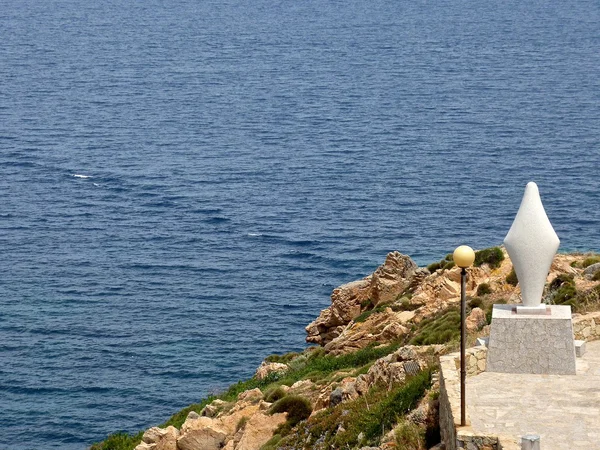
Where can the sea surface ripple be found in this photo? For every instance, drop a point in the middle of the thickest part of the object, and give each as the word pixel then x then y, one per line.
pixel 183 183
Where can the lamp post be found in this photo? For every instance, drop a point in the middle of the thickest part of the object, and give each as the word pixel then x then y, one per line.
pixel 463 256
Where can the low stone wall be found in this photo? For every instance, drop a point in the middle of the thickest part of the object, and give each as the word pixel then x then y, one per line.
pixel 587 327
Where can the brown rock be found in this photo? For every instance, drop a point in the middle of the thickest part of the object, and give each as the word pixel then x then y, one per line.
pixel 144 446
pixel 381 327
pixel 251 396
pixel 258 430
pixel 306 389
pixel 241 410
pixel 476 320
pixel 392 278
pixel 346 303
pixel 267 368
pixel 160 438
pixel 202 438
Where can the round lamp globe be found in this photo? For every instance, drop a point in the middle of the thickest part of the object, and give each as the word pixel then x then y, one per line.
pixel 463 256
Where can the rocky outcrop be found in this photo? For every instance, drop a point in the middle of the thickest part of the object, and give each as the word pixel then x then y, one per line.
pixel 591 270
pixel 384 326
pixel 388 371
pixel 159 439
pixel 476 320
pixel 414 294
pixel 268 368
pixel 258 430
pixel 348 301
pixel 346 304
pixel 391 303
pixel 435 293
pixel 392 278
pixel 242 425
pixel 202 434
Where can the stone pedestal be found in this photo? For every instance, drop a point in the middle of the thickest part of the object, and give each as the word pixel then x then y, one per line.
pixel 536 343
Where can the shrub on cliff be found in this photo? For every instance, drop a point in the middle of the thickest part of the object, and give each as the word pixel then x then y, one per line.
pixel 274 393
pixel 475 302
pixel 484 289
pixel 298 408
pixel 511 278
pixel 119 441
pixel 285 358
pixel 319 365
pixel 562 291
pixel 493 257
pixel 446 263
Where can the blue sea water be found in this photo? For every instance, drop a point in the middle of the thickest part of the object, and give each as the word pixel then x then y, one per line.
pixel 183 183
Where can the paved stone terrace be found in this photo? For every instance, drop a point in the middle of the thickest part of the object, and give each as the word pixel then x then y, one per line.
pixel 563 409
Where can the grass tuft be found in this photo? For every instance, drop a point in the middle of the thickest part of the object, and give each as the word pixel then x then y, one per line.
pixel 440 329
pixel 409 436
pixel 591 260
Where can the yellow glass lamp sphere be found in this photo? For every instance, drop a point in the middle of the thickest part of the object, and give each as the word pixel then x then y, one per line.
pixel 463 256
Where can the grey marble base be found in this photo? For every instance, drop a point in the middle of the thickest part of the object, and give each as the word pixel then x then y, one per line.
pixel 521 343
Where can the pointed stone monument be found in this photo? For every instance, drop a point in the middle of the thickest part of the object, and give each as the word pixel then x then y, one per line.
pixel 531 244
pixel 532 337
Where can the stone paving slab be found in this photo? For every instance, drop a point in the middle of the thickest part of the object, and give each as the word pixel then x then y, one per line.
pixel 563 409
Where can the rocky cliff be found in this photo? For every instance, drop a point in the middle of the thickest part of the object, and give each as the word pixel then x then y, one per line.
pixel 370 383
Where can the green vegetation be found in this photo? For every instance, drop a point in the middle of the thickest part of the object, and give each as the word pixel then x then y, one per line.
pixel 366 314
pixel 475 302
pixel 368 416
pixel 591 260
pixel 272 443
pixel 409 436
pixel 484 289
pixel 283 359
pixel 241 423
pixel 273 393
pixel 442 328
pixel 119 441
pixel 511 278
pixel 446 263
pixel 562 291
pixel 596 276
pixel 493 257
pixel 318 365
pixel 489 309
pixel 405 304
pixel 298 409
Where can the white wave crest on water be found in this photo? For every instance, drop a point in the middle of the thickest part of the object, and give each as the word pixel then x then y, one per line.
pixel 254 234
pixel 77 175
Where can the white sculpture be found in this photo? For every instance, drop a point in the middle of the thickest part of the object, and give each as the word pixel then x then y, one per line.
pixel 531 244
